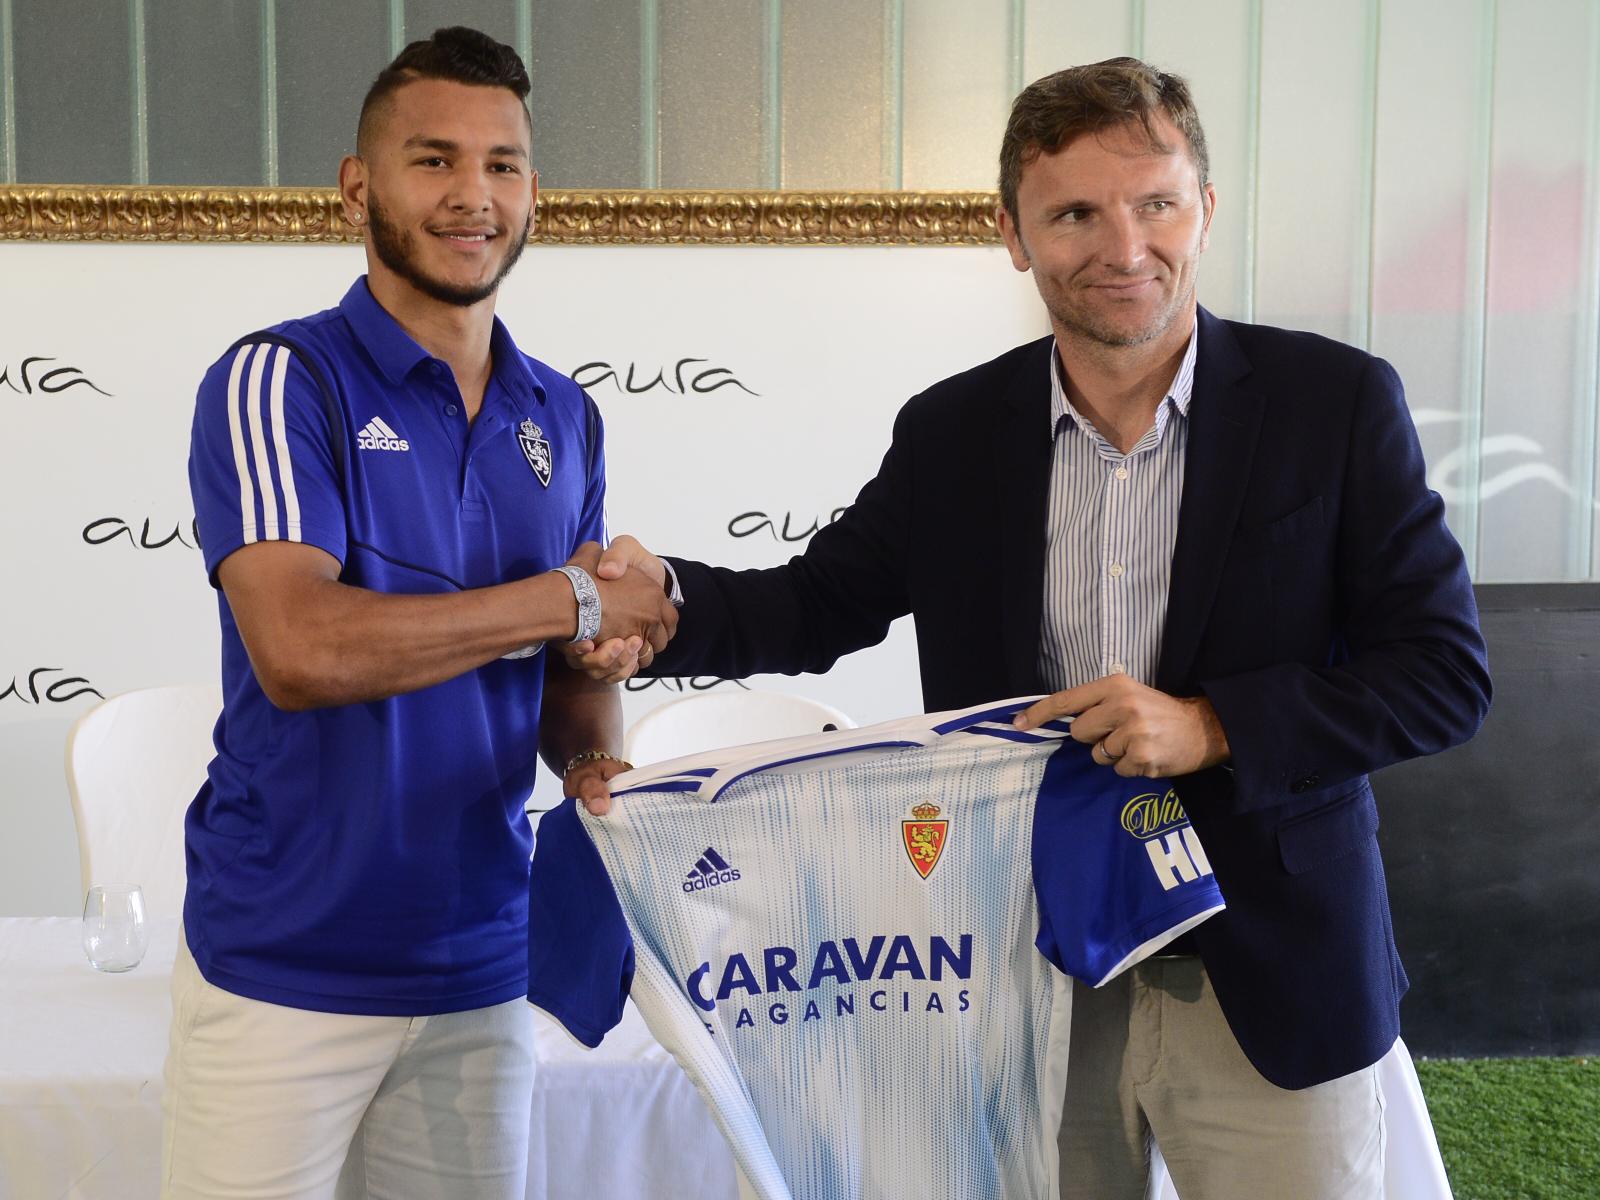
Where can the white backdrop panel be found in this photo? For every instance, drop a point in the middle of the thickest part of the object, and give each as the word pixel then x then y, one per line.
pixel 799 360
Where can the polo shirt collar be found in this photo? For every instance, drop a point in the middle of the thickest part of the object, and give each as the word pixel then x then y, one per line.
pixel 397 353
pixel 511 367
pixel 390 346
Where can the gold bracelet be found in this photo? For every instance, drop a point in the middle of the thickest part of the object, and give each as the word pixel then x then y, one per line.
pixel 588 756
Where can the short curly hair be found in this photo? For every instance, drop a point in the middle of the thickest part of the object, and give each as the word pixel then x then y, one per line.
pixel 1050 112
pixel 458 54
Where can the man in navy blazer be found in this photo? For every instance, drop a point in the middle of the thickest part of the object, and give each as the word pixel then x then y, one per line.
pixel 1316 623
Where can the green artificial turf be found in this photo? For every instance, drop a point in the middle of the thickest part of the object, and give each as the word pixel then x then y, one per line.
pixel 1517 1128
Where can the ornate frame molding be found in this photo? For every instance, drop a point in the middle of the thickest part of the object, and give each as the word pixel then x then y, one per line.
pixel 602 217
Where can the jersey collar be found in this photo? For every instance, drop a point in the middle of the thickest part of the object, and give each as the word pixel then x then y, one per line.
pixel 397 354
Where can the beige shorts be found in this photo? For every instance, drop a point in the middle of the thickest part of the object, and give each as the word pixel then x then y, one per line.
pixel 264 1101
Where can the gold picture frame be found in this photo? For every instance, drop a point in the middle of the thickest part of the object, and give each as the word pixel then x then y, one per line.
pixel 64 213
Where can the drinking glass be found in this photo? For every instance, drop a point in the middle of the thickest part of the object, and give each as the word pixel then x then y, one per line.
pixel 115 934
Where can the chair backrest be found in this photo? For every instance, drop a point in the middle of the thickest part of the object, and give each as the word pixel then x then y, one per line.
pixel 716 719
pixel 134 762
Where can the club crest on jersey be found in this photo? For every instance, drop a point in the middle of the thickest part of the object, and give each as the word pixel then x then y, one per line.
pixel 536 449
pixel 924 838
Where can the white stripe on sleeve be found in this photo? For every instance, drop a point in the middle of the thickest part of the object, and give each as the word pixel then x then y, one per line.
pixel 247 500
pixel 280 441
pixel 269 497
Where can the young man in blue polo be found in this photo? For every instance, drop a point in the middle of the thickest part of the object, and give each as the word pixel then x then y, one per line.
pixel 390 495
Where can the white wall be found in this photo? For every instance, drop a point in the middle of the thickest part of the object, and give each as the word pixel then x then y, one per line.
pixel 831 341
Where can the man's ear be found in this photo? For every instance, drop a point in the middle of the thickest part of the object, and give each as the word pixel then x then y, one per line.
pixel 353 188
pixel 1013 239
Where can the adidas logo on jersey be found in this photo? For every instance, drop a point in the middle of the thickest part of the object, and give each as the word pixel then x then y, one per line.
pixel 375 435
pixel 709 870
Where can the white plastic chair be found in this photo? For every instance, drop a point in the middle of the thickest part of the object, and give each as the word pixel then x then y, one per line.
pixel 134 762
pixel 731 718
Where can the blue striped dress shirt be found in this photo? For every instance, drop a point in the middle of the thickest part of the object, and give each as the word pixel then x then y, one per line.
pixel 1109 535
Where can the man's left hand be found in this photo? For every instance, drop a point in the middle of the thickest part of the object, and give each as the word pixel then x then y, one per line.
pixel 590 782
pixel 1135 728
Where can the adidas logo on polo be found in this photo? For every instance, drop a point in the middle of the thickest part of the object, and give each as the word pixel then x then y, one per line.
pixel 375 435
pixel 709 870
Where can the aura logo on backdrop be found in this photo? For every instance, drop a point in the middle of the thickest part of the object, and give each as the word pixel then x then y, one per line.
pixel 1464 471
pixel 687 375
pixel 697 683
pixel 34 375
pixel 103 531
pixel 37 687
pixel 748 524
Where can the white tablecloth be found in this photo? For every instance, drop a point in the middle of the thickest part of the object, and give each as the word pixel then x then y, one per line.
pixel 80 1093
pixel 80 1088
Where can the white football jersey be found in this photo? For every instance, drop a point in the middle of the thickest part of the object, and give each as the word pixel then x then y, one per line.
pixel 851 941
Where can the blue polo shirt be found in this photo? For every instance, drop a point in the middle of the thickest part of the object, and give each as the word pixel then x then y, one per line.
pixel 373 858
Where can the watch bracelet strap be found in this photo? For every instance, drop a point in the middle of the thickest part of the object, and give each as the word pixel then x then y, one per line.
pixel 588 597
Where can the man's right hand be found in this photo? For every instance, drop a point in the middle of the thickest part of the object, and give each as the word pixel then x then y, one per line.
pixel 620 653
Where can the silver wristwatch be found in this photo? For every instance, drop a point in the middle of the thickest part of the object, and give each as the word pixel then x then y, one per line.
pixel 588 602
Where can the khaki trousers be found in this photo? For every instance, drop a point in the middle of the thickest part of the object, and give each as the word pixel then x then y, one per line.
pixel 1152 1056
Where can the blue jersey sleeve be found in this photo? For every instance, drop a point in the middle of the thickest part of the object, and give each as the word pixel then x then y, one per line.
pixel 580 952
pixel 261 456
pixel 1117 868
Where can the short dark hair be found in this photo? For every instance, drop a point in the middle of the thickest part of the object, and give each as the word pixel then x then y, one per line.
pixel 458 54
pixel 1050 112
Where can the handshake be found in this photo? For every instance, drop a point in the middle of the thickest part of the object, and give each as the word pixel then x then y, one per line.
pixel 637 616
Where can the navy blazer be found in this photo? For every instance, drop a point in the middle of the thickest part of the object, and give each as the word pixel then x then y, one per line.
pixel 1317 599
